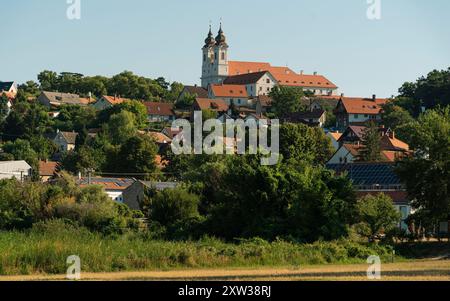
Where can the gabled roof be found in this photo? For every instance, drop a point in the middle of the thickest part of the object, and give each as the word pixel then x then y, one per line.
pixel 217 105
pixel 117 184
pixel 70 137
pixel 239 68
pixel 6 86
pixel 159 108
pixel 304 80
pixel 355 129
pixel 336 136
pixel 196 91
pixel 14 166
pixel 160 137
pixel 357 105
pixel 284 75
pixel 389 142
pixel 47 168
pixel 57 98
pixel 232 91
pixel 114 100
pixel 245 79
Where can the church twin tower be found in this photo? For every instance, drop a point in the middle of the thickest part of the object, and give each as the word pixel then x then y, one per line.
pixel 215 59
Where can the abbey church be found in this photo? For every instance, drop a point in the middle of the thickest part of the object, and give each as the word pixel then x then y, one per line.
pixel 236 79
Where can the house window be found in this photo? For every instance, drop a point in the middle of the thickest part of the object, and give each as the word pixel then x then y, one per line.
pixel 223 55
pixel 356 116
pixel 268 81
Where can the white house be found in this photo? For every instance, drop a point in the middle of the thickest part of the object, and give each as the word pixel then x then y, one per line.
pixel 258 83
pixel 66 141
pixel 106 102
pixel 15 169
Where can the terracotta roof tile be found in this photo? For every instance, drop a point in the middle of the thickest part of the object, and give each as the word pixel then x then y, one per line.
pixel 159 108
pixel 114 100
pixel 47 168
pixel 217 105
pixel 229 91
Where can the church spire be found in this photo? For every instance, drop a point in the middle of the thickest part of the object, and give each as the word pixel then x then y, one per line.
pixel 209 42
pixel 221 40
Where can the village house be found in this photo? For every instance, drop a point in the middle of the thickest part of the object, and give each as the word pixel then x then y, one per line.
pixel 106 102
pixel 193 91
pixel 122 190
pixel 334 137
pixel 66 141
pixel 47 170
pixel 9 89
pixel 216 105
pixel 19 170
pixel 358 111
pixel 351 143
pixel 54 100
pixel 259 77
pixel 263 104
pixel 376 178
pixel 258 83
pixel 170 133
pixel 160 111
pixel 232 94
pixel 315 118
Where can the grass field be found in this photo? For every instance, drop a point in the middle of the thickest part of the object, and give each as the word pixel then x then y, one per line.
pixel 41 254
pixel 415 270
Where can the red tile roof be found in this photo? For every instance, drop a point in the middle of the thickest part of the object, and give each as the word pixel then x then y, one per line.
pixel 229 91
pixel 47 168
pixel 159 108
pixel 284 75
pixel 114 100
pixel 357 105
pixel 218 105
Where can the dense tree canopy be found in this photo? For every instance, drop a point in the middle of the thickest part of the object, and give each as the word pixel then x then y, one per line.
pixel 286 100
pixel 427 174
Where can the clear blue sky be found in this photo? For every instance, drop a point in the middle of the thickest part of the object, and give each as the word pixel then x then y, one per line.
pixel 163 38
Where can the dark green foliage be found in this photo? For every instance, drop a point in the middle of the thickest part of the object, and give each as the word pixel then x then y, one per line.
pixel 371 148
pixel 431 91
pixel 377 215
pixel 286 100
pixel 427 175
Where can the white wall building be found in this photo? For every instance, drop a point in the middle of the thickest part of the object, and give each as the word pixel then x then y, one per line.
pixel 19 170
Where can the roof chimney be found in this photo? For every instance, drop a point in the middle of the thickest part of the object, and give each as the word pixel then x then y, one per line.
pixel 301 72
pixel 374 97
pixel 342 94
pixel 315 72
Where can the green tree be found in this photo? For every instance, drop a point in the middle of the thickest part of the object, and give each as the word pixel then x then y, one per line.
pixel 21 150
pixel 399 120
pixel 371 147
pixel 4 109
pixel 431 91
pixel 377 215
pixel 137 155
pixel 121 127
pixel 427 175
pixel 300 142
pixel 286 100
pixel 172 206
pixel 48 80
